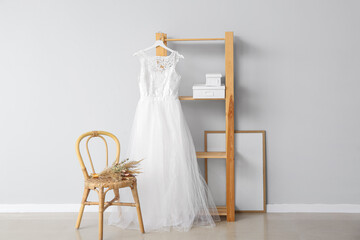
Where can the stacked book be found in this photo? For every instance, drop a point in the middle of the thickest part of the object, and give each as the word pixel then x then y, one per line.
pixel 211 89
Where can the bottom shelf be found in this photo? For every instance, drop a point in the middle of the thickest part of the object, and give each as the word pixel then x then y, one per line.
pixel 221 210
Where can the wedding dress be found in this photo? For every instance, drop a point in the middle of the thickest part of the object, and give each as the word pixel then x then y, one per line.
pixel 171 190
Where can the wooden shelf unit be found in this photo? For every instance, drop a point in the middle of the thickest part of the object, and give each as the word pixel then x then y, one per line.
pixel 229 209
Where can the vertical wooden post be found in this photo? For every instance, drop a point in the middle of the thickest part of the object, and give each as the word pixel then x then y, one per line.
pixel 229 105
pixel 101 212
pixel 205 159
pixel 159 50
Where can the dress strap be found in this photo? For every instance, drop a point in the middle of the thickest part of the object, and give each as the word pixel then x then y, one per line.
pixel 177 56
pixel 139 53
pixel 142 53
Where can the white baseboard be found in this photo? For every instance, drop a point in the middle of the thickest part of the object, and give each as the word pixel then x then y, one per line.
pixel 44 208
pixel 313 208
pixel 271 208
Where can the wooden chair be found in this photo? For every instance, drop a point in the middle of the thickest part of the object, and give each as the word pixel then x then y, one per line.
pixel 102 185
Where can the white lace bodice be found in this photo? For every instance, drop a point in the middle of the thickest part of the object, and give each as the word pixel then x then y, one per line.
pixel 158 78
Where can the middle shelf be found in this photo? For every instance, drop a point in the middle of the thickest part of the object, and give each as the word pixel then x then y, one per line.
pixel 211 154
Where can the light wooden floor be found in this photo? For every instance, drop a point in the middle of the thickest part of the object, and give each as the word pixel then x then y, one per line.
pixel 302 226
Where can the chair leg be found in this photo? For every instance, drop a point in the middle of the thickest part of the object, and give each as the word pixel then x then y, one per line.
pixel 117 194
pixel 101 212
pixel 138 209
pixel 84 198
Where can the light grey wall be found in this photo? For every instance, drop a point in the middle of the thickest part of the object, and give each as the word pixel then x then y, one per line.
pixel 66 67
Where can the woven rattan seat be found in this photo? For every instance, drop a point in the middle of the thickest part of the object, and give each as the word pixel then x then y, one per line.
pixel 108 182
pixel 102 184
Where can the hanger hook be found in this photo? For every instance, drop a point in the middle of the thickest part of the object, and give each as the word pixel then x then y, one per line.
pixel 162 36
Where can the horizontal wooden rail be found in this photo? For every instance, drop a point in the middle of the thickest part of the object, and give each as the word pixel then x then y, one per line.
pixel 193 39
pixel 211 154
pixel 113 203
pixel 124 204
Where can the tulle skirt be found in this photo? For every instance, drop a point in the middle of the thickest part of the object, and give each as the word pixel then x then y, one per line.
pixel 171 190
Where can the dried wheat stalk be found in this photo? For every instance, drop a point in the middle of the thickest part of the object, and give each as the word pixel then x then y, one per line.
pixel 123 170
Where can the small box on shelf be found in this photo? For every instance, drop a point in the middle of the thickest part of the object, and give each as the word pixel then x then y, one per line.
pixel 213 79
pixel 204 91
pixel 213 75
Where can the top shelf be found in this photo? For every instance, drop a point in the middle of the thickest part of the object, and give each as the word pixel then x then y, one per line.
pixel 193 39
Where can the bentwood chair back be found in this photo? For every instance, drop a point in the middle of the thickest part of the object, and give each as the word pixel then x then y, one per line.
pixel 103 184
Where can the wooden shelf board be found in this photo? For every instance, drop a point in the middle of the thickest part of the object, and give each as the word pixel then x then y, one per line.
pixel 221 210
pixel 191 98
pixel 192 39
pixel 211 154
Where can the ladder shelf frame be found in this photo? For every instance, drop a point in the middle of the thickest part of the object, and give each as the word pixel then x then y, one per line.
pixel 229 209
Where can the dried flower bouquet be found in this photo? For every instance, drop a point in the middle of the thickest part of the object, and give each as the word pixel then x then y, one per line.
pixel 121 171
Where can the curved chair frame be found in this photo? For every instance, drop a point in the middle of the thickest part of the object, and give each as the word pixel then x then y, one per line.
pixel 103 187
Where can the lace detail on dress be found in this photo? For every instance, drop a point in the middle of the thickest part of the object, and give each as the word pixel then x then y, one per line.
pixel 161 63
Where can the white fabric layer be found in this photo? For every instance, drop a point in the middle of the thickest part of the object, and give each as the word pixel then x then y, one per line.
pixel 172 192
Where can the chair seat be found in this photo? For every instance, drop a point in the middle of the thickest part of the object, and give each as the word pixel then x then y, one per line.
pixel 108 182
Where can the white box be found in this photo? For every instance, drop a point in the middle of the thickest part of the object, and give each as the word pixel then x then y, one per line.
pixel 213 75
pixel 204 91
pixel 211 81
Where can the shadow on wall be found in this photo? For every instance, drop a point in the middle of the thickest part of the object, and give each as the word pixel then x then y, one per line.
pixel 245 98
pixel 200 58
